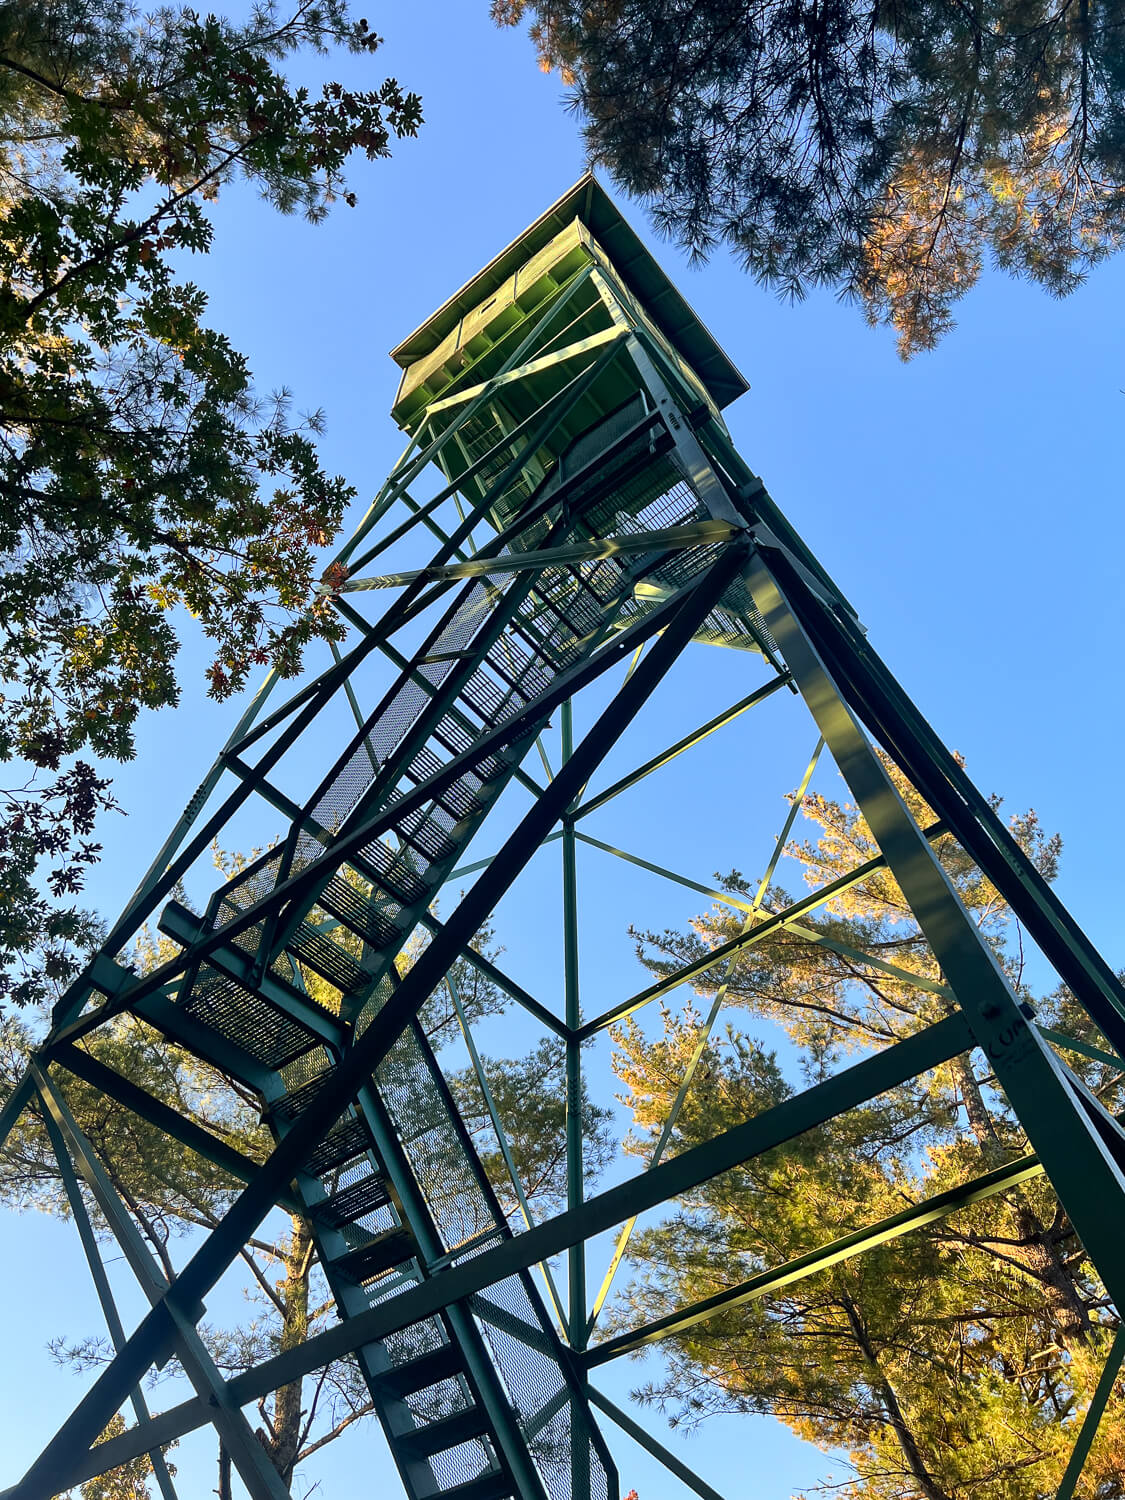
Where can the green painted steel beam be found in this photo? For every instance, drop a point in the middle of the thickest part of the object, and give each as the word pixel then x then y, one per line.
pixel 180 1127
pixel 894 971
pixel 875 696
pixel 503 1143
pixel 1084 1049
pixel 747 940
pixel 523 372
pixel 575 1132
pixel 1092 1419
pixel 766 1283
pixel 782 1122
pixel 502 980
pixel 483 864
pixel 652 867
pixel 703 1035
pixel 16 1102
pixel 641 1435
pixel 254 1467
pixel 1081 1164
pixel 102 1287
pixel 669 539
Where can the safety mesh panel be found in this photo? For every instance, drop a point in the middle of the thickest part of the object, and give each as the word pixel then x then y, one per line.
pixel 587 447
pixel 514 1328
pixel 738 604
pixel 433 1144
pixel 464 1462
pixel 444 1399
pixel 346 1141
pixel 256 881
pixel 416 1339
pixel 461 1211
pixel 312 1070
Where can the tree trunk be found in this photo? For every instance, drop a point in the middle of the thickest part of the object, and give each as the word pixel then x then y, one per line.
pixel 896 1417
pixel 1039 1255
pixel 287 1412
pixel 224 1490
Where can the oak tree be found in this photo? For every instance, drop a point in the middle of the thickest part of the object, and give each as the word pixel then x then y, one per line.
pixel 139 469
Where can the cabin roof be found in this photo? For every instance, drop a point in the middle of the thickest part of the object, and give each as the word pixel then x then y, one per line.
pixel 588 200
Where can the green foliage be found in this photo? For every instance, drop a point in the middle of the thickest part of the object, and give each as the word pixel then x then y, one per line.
pixel 139 471
pixel 886 150
pixel 529 1095
pixel 951 1362
pixel 129 1482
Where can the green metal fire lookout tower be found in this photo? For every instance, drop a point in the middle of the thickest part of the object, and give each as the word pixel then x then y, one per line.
pixel 569 503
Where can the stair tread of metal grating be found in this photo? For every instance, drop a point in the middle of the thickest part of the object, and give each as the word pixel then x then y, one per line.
pixel 458 737
pixel 459 798
pixel 327 958
pixel 485 697
pixel 455 736
pixel 386 1250
pixel 421 832
pixel 400 879
pixel 352 1202
pixel 462 798
pixel 357 912
pixel 340 1146
pixel 446 1432
pixel 293 1104
pixel 424 762
pixel 493 1485
pixel 244 1017
pixel 528 676
pixel 417 1374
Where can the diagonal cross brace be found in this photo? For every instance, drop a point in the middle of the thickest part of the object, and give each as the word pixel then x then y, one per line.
pixel 1079 1161
pixel 102 1287
pixel 782 1122
pixel 261 1479
pixel 668 539
pixel 161 1327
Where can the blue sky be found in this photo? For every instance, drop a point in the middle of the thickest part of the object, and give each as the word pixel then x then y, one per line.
pixel 969 503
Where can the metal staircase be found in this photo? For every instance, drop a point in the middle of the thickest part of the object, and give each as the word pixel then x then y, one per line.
pixel 479 1402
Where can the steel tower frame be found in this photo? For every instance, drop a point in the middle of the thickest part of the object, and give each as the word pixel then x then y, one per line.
pixel 569 404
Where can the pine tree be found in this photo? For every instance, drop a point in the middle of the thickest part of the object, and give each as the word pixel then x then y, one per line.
pixel 946 1363
pixel 885 150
